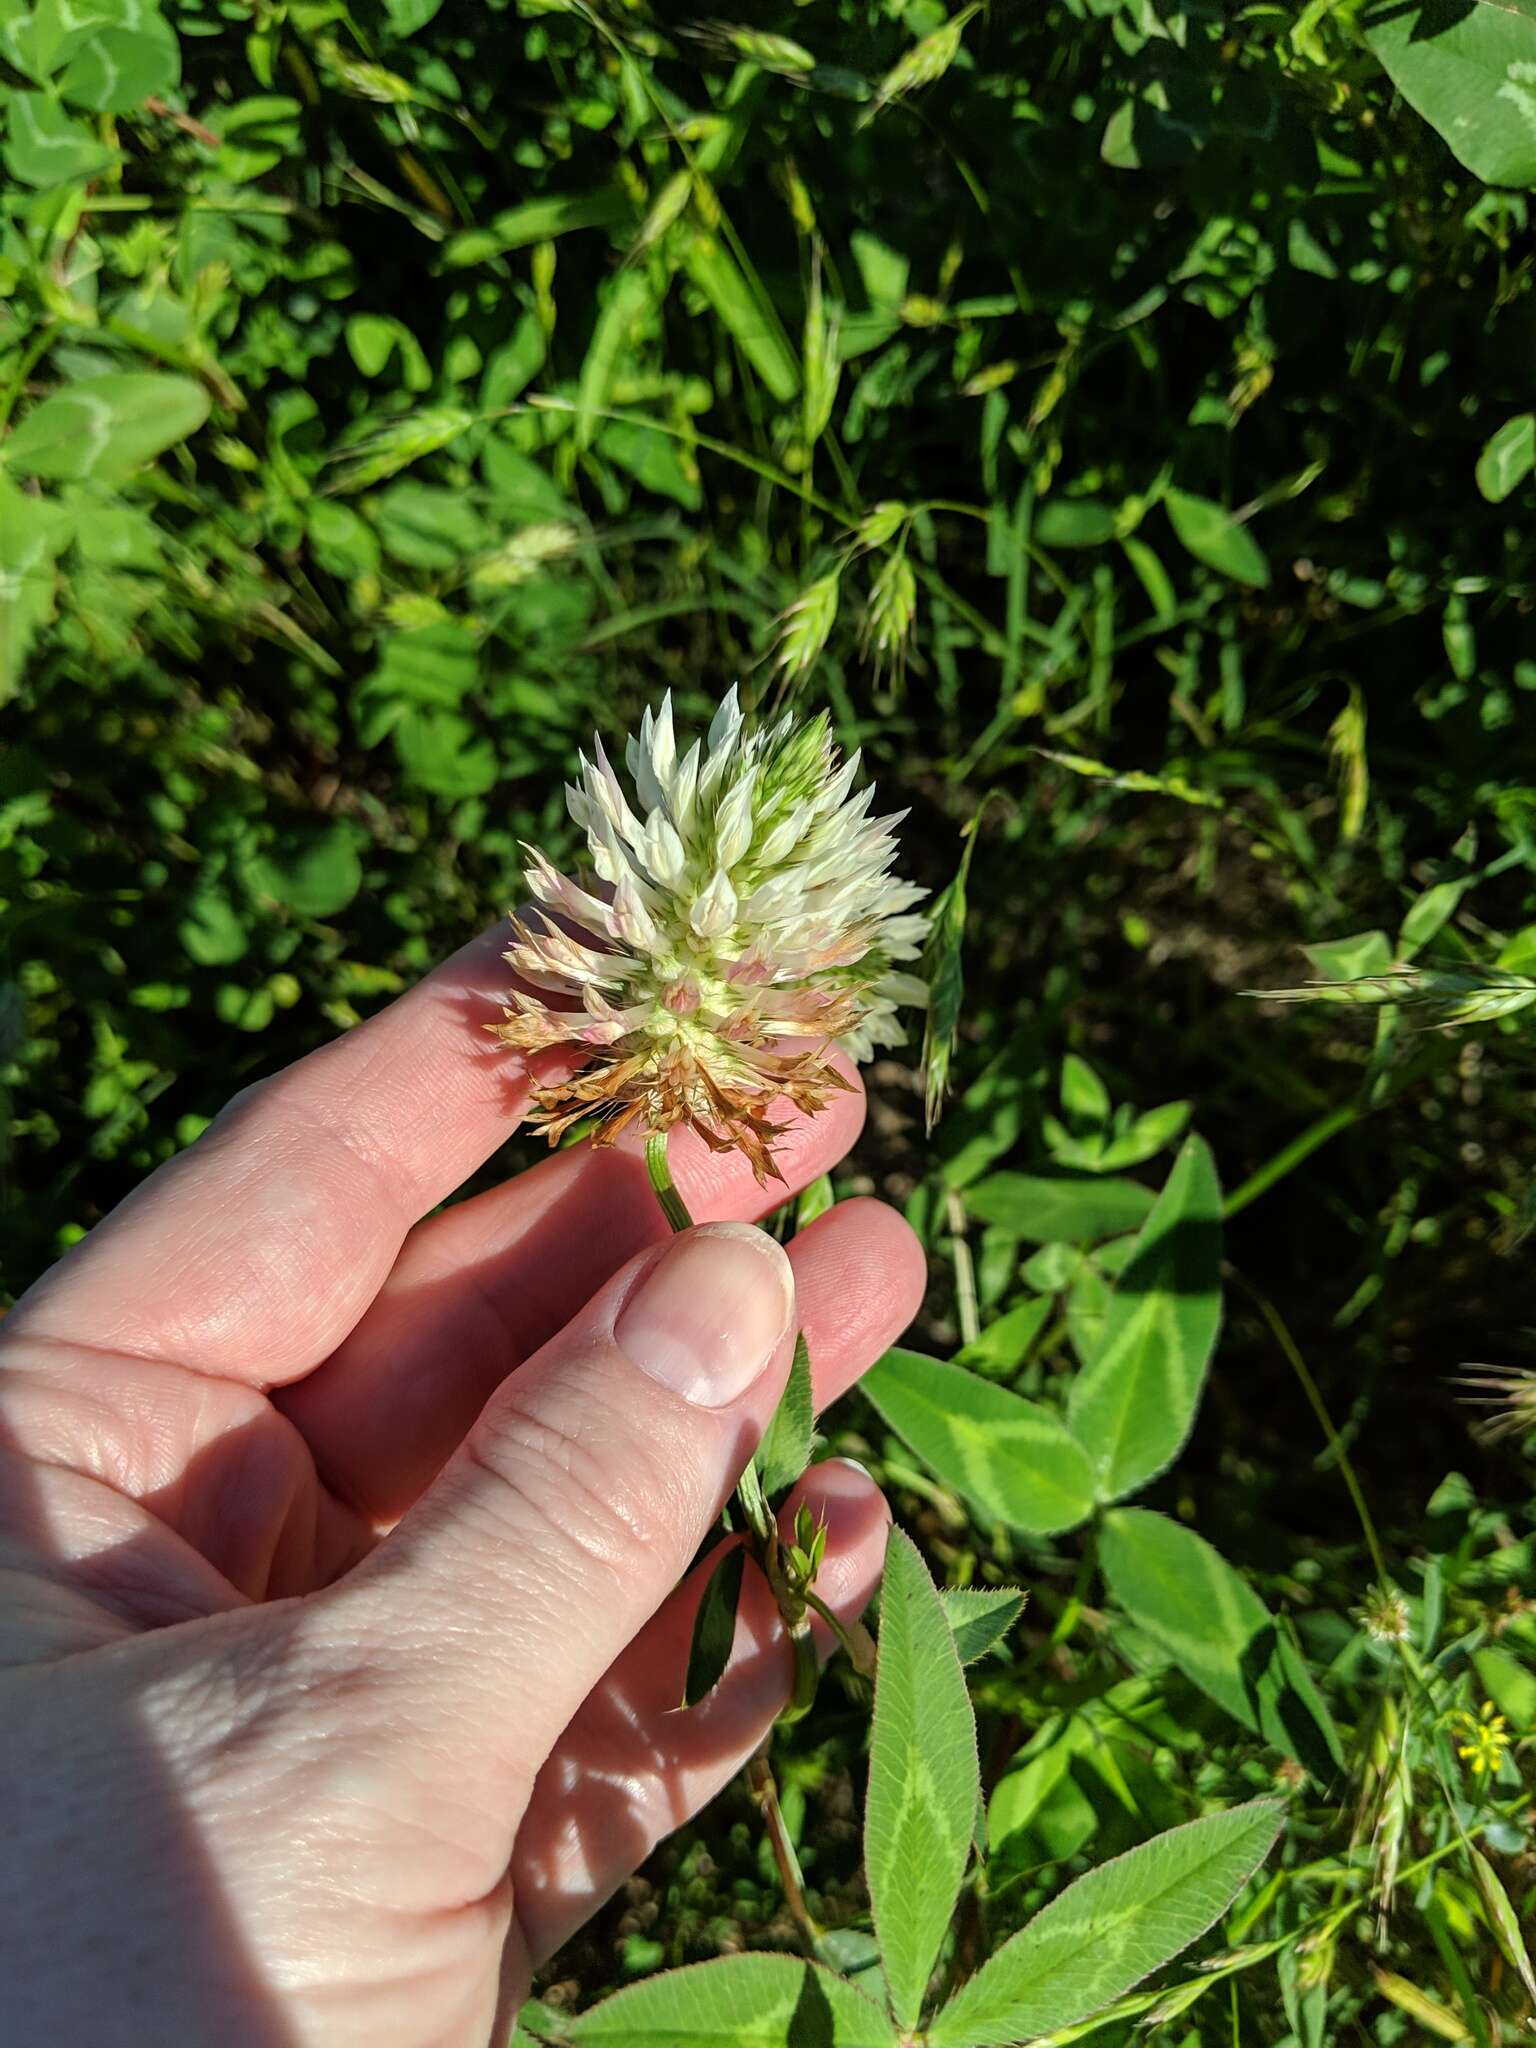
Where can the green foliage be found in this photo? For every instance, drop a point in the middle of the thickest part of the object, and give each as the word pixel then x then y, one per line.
pixel 1013 1458
pixel 786 1447
pixel 714 1627
pixel 1101 1937
pixel 105 427
pixel 1044 1210
pixel 1133 1404
pixel 1508 459
pixel 739 2002
pixel 1109 1930
pixel 1470 69
pixel 924 1781
pixel 980 1618
pixel 1202 1615
pixel 1212 535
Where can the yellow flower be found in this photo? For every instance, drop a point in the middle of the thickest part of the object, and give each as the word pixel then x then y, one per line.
pixel 1486 1739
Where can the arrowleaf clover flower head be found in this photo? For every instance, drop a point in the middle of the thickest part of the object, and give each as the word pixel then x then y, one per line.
pixel 742 920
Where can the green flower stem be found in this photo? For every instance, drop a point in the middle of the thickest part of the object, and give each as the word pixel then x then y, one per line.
pixel 762 1530
pixel 807 1674
pixel 673 1207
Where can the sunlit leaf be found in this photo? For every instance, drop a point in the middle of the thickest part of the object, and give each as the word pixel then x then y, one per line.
pixel 1134 1405
pixel 924 1779
pixel 1469 67
pixel 1109 1930
pixel 1014 1459
pixel 745 2001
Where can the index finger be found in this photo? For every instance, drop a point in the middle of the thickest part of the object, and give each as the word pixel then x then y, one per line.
pixel 251 1255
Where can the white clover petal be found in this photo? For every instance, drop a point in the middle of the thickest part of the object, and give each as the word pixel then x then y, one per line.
pixel 607 792
pixel 781 896
pixel 714 912
pixel 725 726
pixel 835 792
pixel 685 788
pixel 662 851
pixel 733 822
pixel 628 919
pixel 650 758
pixel 663 748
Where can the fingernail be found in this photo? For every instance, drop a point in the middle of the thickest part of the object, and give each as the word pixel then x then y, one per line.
pixel 710 1314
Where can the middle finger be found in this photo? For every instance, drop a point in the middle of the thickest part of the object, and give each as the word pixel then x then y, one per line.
pixel 481 1286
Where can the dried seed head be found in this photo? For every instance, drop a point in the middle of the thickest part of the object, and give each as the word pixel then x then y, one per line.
pixel 1509 1391
pixel 742 921
pixel 1383 1614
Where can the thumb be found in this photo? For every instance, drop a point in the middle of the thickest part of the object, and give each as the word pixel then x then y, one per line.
pixel 575 1503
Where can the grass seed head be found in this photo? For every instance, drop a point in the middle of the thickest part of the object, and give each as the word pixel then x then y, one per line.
pixel 771 52
pixel 665 208
pixel 891 614
pixel 396 445
pixel 926 62
pixel 805 628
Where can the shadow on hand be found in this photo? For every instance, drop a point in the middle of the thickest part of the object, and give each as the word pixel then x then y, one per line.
pixel 119 1929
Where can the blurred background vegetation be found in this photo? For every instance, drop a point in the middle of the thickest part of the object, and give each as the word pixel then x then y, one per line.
pixel 1112 410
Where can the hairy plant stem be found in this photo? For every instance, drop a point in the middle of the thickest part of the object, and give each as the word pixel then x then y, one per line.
pixel 765 1794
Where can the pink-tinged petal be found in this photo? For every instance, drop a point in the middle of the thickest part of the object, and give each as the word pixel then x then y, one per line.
pixel 686 990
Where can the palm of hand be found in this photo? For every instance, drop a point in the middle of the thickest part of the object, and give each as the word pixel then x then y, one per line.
pixel 278 1779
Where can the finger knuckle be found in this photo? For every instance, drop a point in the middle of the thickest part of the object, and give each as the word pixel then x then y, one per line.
pixel 553 1482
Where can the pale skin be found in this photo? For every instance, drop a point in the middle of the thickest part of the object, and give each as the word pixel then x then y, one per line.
pixel 340 1629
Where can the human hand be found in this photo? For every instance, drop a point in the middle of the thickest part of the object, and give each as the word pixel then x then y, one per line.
pixel 279 1776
